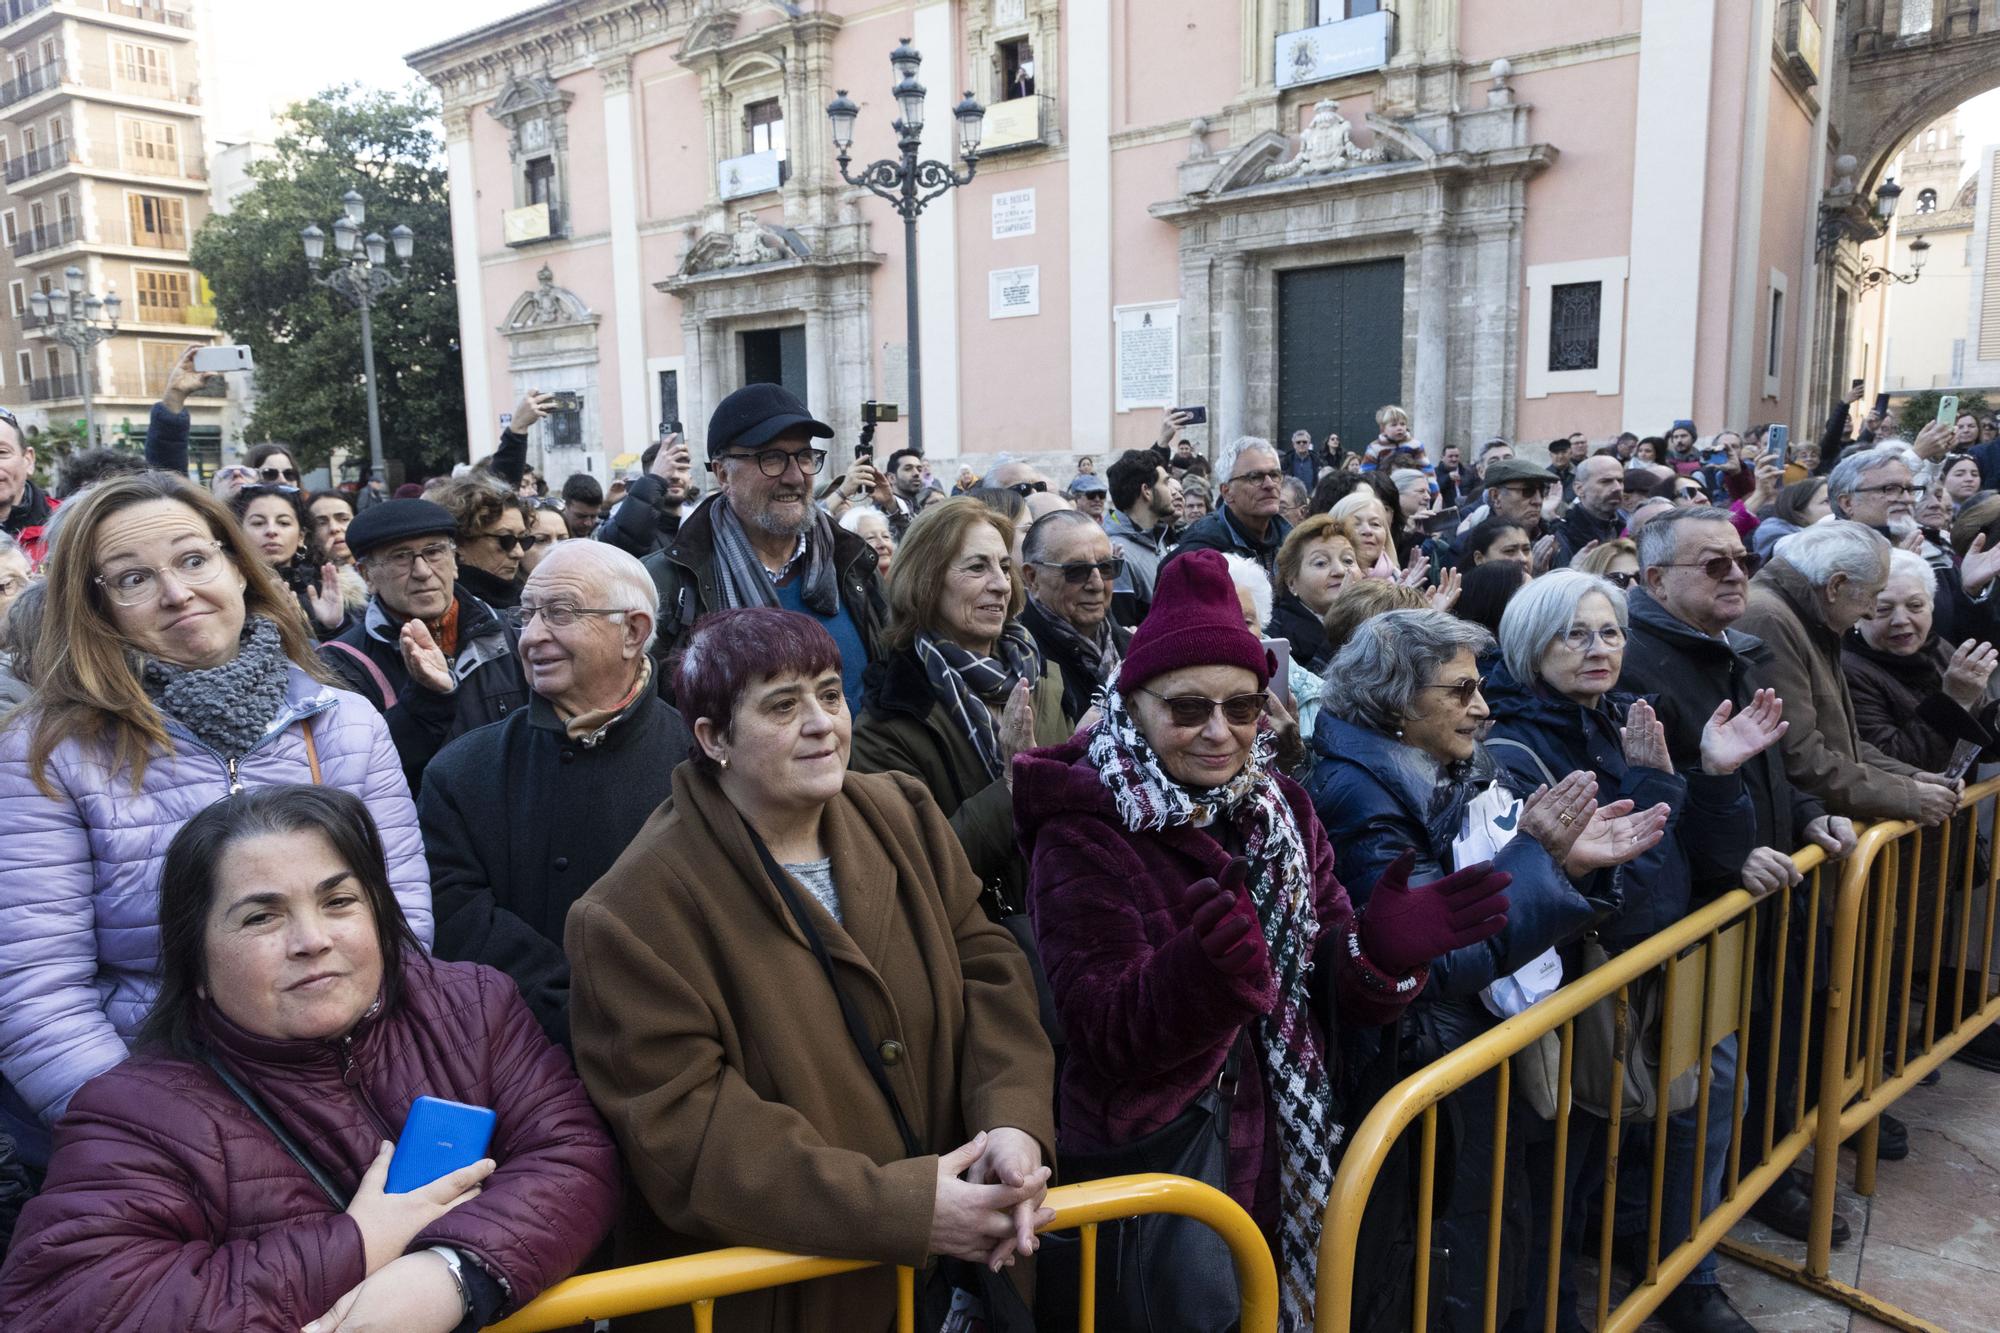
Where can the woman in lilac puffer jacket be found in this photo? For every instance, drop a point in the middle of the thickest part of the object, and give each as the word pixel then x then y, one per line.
pixel 172 670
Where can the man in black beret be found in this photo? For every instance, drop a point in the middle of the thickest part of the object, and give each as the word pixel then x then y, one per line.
pixel 760 540
pixel 433 658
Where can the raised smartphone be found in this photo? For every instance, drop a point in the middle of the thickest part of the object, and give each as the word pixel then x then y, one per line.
pixel 222 360
pixel 1778 441
pixel 1948 410
pixel 438 1138
pixel 1281 679
pixel 1196 415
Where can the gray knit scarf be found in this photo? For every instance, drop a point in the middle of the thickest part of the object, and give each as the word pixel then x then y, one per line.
pixel 229 708
pixel 745 581
pixel 1097 652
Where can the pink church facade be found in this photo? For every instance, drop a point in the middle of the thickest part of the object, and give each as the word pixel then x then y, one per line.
pixel 1515 219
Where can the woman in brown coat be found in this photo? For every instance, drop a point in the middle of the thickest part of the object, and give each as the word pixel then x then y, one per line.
pixel 707 1032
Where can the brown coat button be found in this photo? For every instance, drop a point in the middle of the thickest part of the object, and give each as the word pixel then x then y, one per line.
pixel 891 1053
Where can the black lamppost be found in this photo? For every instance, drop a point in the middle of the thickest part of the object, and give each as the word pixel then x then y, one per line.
pixel 69 314
pixel 909 184
pixel 361 274
pixel 1920 250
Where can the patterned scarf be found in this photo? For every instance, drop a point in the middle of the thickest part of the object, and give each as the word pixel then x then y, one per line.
pixel 745 581
pixel 1280 884
pixel 229 707
pixel 963 681
pixel 1097 652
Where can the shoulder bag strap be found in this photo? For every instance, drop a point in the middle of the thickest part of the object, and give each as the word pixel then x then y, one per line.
pixel 1543 768
pixel 389 699
pixel 857 1026
pixel 278 1131
pixel 312 750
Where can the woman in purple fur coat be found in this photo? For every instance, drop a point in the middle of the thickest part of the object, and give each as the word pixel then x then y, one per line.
pixel 1181 891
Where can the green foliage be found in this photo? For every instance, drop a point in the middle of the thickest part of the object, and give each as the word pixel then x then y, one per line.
pixel 1920 409
pixel 307 339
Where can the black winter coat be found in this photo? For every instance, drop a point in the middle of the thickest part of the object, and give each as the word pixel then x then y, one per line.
pixel 1900 706
pixel 1218 532
pixel 1293 621
pixel 1686 674
pixel 490 681
pixel 519 821
pixel 638 525
pixel 1579 528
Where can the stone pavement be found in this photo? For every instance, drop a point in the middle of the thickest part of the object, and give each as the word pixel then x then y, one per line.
pixel 1928 1241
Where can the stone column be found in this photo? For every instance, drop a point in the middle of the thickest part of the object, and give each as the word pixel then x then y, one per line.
pixel 632 426
pixel 1432 406
pixel 1092 368
pixel 482 418
pixel 821 395
pixel 1232 350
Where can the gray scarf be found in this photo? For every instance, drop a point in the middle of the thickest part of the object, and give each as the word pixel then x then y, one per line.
pixel 1098 652
pixel 745 581
pixel 229 708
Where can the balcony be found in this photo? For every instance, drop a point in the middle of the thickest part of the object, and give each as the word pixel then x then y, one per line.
pixel 55 388
pixel 154 12
pixel 159 90
pixel 199 316
pixel 37 80
pixel 160 240
pixel 1020 122
pixel 160 166
pixel 13 11
pixel 45 237
pixel 531 223
pixel 46 158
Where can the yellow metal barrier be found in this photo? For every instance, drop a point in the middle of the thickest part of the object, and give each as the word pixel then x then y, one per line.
pixel 700 1279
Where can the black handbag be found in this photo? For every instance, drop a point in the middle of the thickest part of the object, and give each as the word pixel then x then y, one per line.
pixel 1160 1273
pixel 938 1286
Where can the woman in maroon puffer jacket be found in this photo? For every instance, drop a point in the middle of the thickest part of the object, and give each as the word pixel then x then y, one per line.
pixel 169 1205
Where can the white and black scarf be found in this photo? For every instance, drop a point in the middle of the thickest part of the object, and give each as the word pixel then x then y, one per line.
pixel 1098 653
pixel 1280 884
pixel 963 681
pixel 743 578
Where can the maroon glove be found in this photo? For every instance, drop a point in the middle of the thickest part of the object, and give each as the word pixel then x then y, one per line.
pixel 1405 927
pixel 1233 939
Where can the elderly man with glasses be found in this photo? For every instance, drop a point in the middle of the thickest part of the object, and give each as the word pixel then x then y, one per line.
pixel 1247 522
pixel 1069 566
pixel 1880 487
pixel 519 819
pixel 759 540
pixel 434 659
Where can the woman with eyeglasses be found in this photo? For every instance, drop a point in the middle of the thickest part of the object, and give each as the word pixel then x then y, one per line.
pixel 1397 767
pixel 172 669
pixel 961 688
pixel 1617 561
pixel 1186 906
pixel 1557 709
pixel 492 536
pixel 276 520
pixel 546 527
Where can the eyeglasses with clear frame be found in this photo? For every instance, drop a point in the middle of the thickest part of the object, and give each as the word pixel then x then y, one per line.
pixel 559 615
pixel 402 562
pixel 1579 638
pixel 191 567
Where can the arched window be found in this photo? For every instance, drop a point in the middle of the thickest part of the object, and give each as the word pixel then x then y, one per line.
pixel 1927 200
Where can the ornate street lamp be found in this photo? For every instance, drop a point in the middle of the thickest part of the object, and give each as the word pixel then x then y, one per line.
pixel 361 274
pixel 908 184
pixel 1920 250
pixel 79 320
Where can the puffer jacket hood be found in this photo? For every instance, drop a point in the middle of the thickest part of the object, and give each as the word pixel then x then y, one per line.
pixel 79 948
pixel 169 1205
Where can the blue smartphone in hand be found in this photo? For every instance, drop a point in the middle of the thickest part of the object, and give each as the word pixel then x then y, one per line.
pixel 438 1138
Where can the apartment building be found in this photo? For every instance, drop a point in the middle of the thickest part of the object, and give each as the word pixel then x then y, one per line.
pixel 103 160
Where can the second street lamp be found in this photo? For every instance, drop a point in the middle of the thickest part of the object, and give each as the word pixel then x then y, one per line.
pixel 908 184
pixel 361 275
pixel 79 320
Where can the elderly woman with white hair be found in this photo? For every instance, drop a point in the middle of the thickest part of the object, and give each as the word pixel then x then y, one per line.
pixel 1819 584
pixel 1916 695
pixel 1294 715
pixel 872 526
pixel 1556 709
pixel 520 817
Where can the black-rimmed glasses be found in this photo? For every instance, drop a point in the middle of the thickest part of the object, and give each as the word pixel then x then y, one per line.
pixel 1194 710
pixel 773 462
pixel 404 561
pixel 277 474
pixel 1024 489
pixel 1079 573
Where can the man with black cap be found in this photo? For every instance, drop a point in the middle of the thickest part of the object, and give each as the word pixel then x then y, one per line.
pixel 433 658
pixel 759 540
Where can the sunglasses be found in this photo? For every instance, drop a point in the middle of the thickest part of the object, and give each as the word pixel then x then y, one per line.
pixel 510 542
pixel 1461 690
pixel 1027 488
pixel 1622 579
pixel 275 474
pixel 1080 573
pixel 1717 567
pixel 1194 710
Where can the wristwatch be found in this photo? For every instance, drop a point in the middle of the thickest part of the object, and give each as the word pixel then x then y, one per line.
pixel 455 1265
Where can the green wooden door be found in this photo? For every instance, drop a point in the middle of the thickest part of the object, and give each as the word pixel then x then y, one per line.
pixel 1340 349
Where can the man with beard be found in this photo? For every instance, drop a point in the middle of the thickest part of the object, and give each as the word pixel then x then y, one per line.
pixel 650 513
pixel 906 487
pixel 761 541
pixel 1878 487
pixel 1600 487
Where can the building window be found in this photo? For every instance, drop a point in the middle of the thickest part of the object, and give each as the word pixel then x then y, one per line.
pixel 1775 346
pixel 1017 69
pixel 56 134
pixel 764 132
pixel 17 296
pixel 1576 311
pixel 156 362
pixel 1927 200
pixel 151 146
pixel 142 69
pixel 541 174
pixel 24 368
pixel 163 295
pixel 54 359
pixel 1333 11
pixel 157 221
pixel 9 227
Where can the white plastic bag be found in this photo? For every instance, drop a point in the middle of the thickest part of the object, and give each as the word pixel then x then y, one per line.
pixel 1491 820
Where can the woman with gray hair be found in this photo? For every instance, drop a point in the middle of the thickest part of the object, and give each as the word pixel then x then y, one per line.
pixel 1398 773
pixel 1916 695
pixel 1556 709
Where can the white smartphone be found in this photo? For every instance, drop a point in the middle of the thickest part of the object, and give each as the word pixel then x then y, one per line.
pixel 1281 679
pixel 221 360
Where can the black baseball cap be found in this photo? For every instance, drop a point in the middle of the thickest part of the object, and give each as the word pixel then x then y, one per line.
pixel 755 415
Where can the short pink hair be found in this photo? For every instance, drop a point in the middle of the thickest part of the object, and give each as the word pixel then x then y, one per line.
pixel 730 651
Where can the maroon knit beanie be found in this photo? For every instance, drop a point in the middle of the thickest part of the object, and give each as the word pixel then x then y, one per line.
pixel 1195 621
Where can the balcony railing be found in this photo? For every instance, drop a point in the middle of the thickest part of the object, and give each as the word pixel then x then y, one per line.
pixel 161 240
pixel 160 90
pixel 161 166
pixel 154 12
pixel 54 388
pixel 13 11
pixel 148 313
pixel 45 237
pixel 46 158
pixel 37 80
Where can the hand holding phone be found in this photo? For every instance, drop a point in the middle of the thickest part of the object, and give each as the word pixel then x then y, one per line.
pixel 1778 444
pixel 439 1137
pixel 1947 413
pixel 1190 416
pixel 222 360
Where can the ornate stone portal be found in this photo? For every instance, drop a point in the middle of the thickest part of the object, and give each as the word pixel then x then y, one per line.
pixel 750 244
pixel 1327 145
pixel 552 345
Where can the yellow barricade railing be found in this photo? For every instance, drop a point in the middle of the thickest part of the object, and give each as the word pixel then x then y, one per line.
pixel 700 1280
pixel 1900 925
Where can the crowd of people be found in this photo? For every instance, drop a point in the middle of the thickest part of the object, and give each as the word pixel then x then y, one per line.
pixel 833 863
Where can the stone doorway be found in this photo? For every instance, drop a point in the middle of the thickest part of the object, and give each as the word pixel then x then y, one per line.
pixel 1340 348
pixel 777 356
